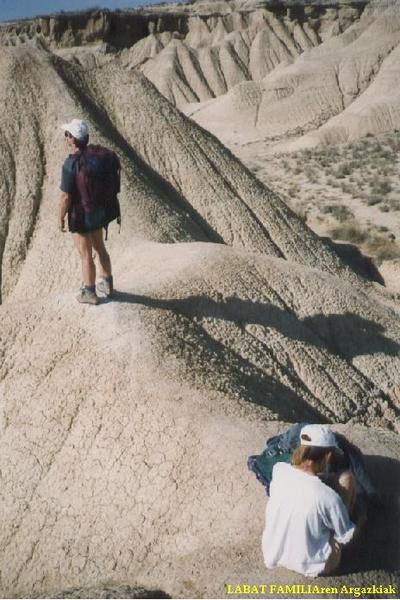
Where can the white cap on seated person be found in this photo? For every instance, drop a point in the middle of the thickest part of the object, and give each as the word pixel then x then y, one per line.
pixel 318 435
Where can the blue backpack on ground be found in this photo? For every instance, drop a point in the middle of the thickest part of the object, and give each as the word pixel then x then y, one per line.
pixel 281 447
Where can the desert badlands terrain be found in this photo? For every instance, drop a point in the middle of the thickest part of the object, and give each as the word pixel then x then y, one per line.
pixel 125 428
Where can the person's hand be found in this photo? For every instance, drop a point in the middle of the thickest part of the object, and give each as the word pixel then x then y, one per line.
pixel 61 224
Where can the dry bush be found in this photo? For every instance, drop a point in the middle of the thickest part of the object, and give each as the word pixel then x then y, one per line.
pixel 382 187
pixel 373 200
pixel 343 170
pixel 383 249
pixel 379 244
pixel 395 204
pixel 294 189
pixel 311 175
pixel 339 211
pixel 350 232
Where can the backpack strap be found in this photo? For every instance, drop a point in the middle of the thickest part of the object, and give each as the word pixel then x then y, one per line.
pixel 106 228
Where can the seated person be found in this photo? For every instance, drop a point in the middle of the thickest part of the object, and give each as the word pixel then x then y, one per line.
pixel 307 521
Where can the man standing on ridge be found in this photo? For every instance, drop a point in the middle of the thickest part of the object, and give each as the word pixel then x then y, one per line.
pixel 89 188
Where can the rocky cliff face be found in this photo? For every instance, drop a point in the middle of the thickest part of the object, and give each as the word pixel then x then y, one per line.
pixel 120 29
pixel 123 29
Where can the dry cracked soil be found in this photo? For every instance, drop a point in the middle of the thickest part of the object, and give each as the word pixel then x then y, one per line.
pixel 125 428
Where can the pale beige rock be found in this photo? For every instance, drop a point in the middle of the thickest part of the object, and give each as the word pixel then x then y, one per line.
pixel 221 195
pixel 201 192
pixel 125 428
pixel 390 270
pixel 244 45
pixel 124 442
pixel 335 91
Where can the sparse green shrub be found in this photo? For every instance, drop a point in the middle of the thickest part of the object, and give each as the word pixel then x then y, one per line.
pixel 372 200
pixel 395 205
pixel 386 155
pixel 347 188
pixel 322 161
pixel 343 170
pixel 332 152
pixel 353 164
pixel 383 248
pixel 394 144
pixel 388 251
pixel 293 190
pixel 376 148
pixel 381 187
pixel 350 232
pixel 334 182
pixel 302 213
pixel 339 211
pixel 311 175
pixel 384 208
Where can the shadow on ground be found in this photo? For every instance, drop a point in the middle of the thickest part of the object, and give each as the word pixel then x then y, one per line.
pixel 378 547
pixel 356 260
pixel 346 335
pixel 108 591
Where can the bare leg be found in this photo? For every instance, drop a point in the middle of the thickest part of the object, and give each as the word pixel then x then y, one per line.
pixel 345 486
pixel 83 244
pixel 97 242
pixel 347 490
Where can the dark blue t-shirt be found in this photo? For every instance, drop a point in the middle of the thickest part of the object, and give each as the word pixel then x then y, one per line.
pixel 68 175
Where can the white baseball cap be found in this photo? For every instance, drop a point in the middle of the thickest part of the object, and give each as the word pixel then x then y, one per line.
pixel 318 435
pixel 77 128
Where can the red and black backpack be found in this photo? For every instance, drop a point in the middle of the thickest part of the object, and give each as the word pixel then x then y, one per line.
pixel 97 181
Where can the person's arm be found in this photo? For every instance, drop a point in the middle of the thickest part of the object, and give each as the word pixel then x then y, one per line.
pixel 66 187
pixel 65 203
pixel 336 518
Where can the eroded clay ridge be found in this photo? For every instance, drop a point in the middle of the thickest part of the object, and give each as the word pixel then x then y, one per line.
pixel 220 52
pixel 180 183
pixel 125 429
pixel 201 50
pixel 119 28
pixel 336 91
pixel 326 70
pixel 123 28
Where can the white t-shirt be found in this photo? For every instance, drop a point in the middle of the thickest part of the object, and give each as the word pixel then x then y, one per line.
pixel 302 514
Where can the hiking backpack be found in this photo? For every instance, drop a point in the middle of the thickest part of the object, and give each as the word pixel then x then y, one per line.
pixel 97 180
pixel 281 447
